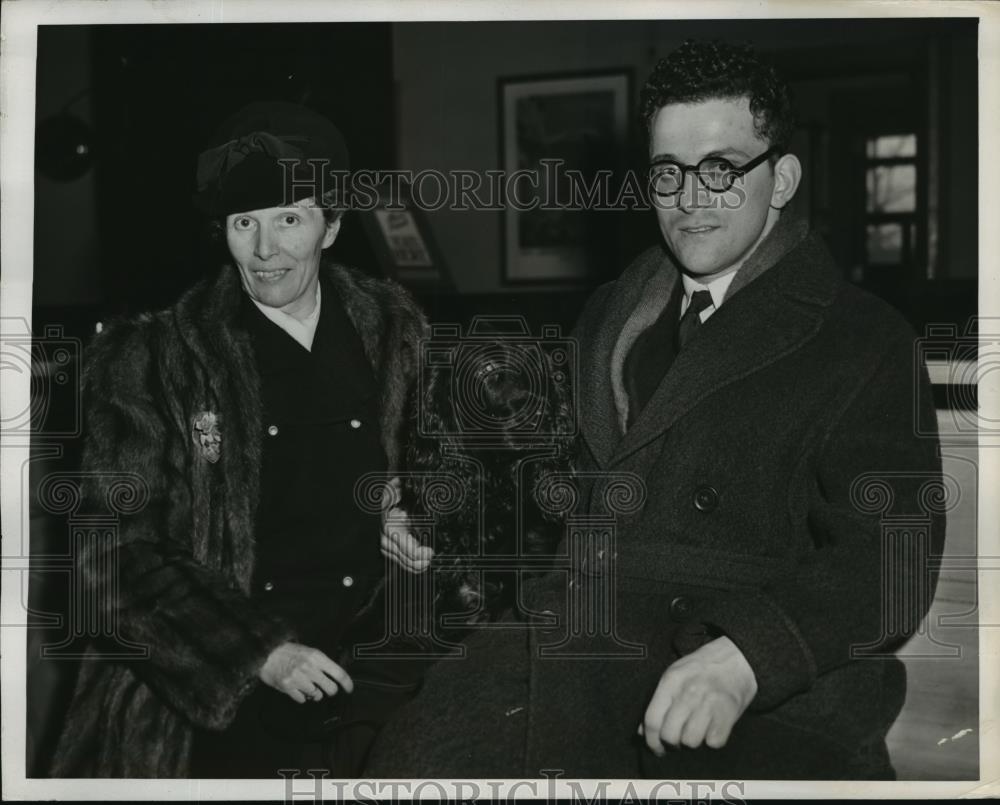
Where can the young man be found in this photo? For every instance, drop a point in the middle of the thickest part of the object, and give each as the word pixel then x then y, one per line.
pixel 768 409
pixel 754 391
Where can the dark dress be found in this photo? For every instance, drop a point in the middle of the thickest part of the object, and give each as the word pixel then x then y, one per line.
pixel 318 558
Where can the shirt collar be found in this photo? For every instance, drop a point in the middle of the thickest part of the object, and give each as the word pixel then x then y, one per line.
pixel 716 286
pixel 302 331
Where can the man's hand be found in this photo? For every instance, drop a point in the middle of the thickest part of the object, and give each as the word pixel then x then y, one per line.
pixel 699 698
pixel 303 673
pixel 398 542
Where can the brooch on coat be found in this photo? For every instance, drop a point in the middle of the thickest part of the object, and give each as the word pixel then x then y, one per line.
pixel 207 436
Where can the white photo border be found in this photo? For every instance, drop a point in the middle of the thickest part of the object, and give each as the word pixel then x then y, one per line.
pixel 18 27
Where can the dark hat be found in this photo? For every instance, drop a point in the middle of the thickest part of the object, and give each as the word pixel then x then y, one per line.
pixel 270 154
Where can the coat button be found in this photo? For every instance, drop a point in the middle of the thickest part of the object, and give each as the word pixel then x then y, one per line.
pixel 706 499
pixel 268 585
pixel 347 581
pixel 681 609
pixel 272 430
pixel 355 423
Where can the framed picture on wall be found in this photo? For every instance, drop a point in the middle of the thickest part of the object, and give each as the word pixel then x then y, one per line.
pixel 563 149
pixel 401 238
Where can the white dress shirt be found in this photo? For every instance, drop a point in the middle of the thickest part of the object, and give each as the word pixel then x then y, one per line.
pixel 302 331
pixel 716 286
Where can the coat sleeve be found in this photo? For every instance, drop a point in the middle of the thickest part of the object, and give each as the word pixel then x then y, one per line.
pixel 205 640
pixel 855 590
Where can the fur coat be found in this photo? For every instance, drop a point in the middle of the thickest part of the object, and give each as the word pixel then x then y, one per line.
pixel 184 560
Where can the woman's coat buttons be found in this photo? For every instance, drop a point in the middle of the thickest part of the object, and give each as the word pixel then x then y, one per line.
pixel 268 586
pixel 355 423
pixel 272 430
pixel 347 581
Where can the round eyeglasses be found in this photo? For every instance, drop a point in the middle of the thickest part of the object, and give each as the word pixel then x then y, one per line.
pixel 666 178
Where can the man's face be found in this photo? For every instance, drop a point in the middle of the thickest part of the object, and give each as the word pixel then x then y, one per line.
pixel 707 232
pixel 277 251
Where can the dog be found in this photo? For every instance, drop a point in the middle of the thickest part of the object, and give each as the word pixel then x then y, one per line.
pixel 501 424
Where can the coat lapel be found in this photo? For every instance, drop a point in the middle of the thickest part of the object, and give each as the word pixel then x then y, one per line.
pixel 768 319
pixel 635 301
pixel 209 320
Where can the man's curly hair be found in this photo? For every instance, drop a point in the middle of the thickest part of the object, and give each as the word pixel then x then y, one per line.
pixel 500 481
pixel 701 71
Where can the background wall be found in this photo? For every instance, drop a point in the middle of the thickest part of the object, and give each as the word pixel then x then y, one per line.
pixel 446 83
pixel 446 78
pixel 427 98
pixel 66 241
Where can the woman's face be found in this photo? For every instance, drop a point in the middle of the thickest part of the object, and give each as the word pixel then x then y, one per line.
pixel 277 251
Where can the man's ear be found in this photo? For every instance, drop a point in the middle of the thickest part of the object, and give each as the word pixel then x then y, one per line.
pixel 787 175
pixel 332 230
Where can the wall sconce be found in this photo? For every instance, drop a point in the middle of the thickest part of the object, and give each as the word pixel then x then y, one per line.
pixel 64 145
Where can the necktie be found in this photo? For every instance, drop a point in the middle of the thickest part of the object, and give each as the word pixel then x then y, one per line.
pixel 691 320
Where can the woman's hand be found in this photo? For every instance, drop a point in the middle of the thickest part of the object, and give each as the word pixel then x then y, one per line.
pixel 398 542
pixel 303 673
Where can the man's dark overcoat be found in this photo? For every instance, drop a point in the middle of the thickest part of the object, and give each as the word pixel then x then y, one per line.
pixel 770 456
pixel 185 557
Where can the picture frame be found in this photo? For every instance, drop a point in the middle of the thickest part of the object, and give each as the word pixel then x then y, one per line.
pixel 559 132
pixel 403 242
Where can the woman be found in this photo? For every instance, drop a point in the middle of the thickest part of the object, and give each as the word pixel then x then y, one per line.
pixel 245 415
